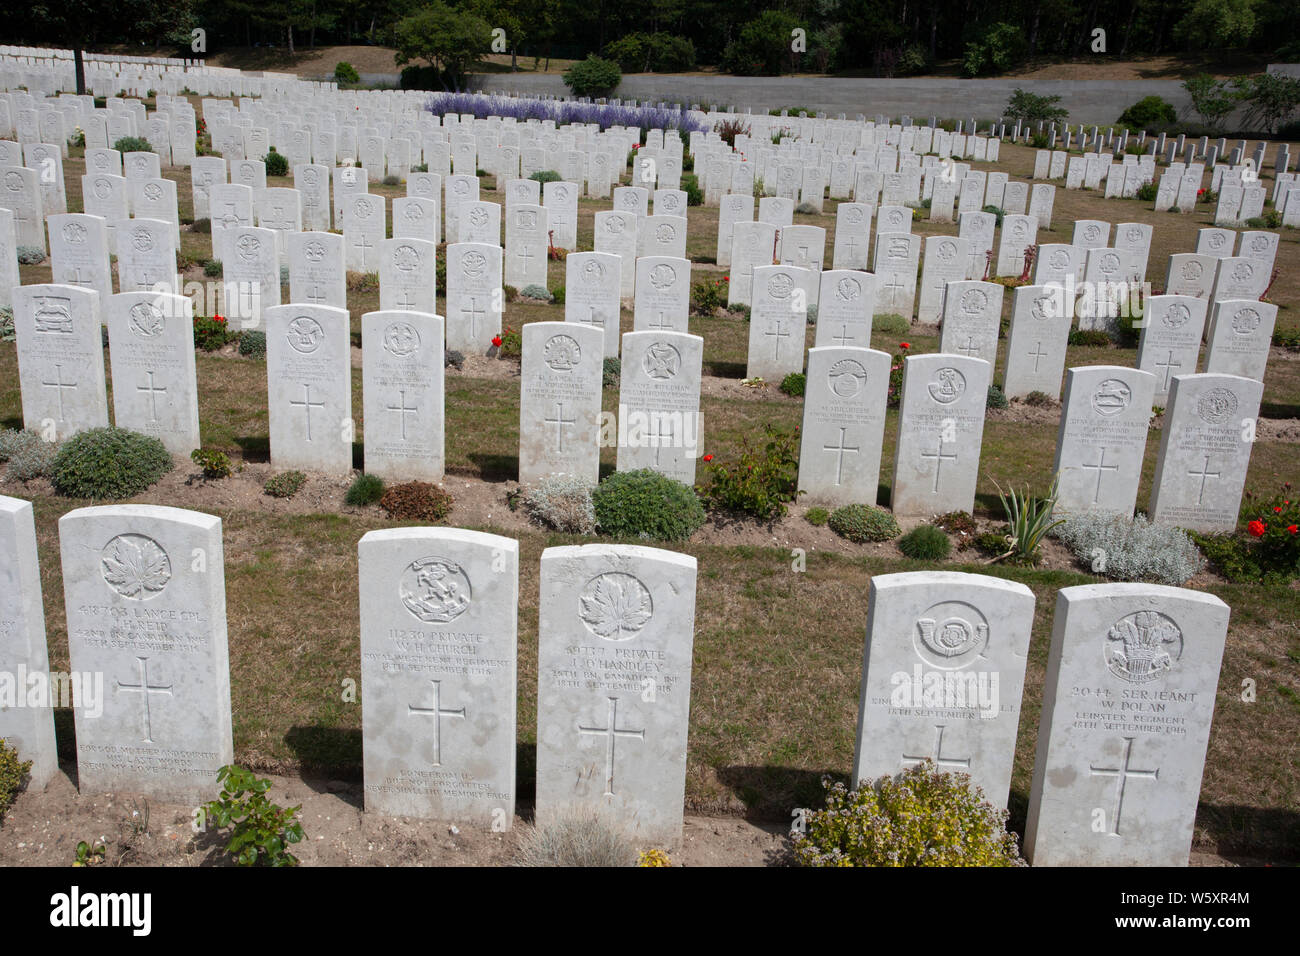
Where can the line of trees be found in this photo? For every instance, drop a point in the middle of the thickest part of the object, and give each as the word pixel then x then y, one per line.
pixel 886 37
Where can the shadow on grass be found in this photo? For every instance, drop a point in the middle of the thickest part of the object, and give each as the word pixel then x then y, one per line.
pixel 254 448
pixel 725 369
pixel 770 793
pixel 1271 833
pixel 496 467
pixel 1279 410
pixel 16 423
pixel 330 751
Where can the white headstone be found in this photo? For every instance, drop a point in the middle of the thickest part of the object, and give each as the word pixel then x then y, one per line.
pixel 144 587
pixel 309 377
pixel 1128 698
pixel 402 390
pixel 610 739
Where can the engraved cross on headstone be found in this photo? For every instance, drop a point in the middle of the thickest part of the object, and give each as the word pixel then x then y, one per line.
pixel 1168 365
pixel 1100 467
pixel 939 458
pixel 152 390
pixel 559 421
pixel 475 312
pixel 1038 354
pixel 307 405
pixel 1203 474
pixel 970 348
pixel 403 410
pixel 840 448
pixel 937 754
pixel 1121 775
pixel 611 731
pixel 144 689
pixel 437 713
pixel 59 385
pixel 777 335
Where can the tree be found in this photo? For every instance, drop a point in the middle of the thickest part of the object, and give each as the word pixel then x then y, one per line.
pixel 1032 108
pixel 452 41
pixel 1216 23
pixel 1271 98
pixel 764 46
pixel 1212 99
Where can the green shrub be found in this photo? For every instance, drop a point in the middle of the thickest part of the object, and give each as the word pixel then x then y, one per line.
pixel 691 186
pixel 276 163
pixel 1029 519
pixel 577 838
pixel 364 490
pixel 611 372
pixel 891 323
pixel 417 501
pixel 212 268
pixel 1147 192
pixel 453 358
pixel 708 296
pixel 996 398
pixel 13 776
pixel 561 502
pixel 262 830
pixel 284 485
pixel 538 293
pixel 1000 48
pixel 658 52
pixel 1039 399
pixel 1147 112
pixel 28 454
pixel 646 504
pixel 252 343
pixel 593 76
pixel 998 213
pixel 391 181
pixel 30 255
pixel 109 462
pixel 925 543
pixel 202 226
pixel 794 384
pixel 1130 549
pixel 1033 108
pixel 132 144
pixel 215 464
pixel 992 544
pixel 1095 338
pixel 7 333
pixel 861 523
pixel 212 333
pixel 1272 219
pixel 761 481
pixel 510 292
pixel 817 517
pixel 546 176
pixel 345 73
pixel 919 818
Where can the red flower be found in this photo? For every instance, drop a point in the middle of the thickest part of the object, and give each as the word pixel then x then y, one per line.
pixel 1277 510
pixel 726 278
pixel 218 318
pixel 1292 529
pixel 904 345
pixel 708 458
pixel 1256 528
pixel 638 146
pixel 496 340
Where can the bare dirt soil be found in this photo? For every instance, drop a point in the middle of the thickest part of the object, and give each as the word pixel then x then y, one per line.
pixel 43 829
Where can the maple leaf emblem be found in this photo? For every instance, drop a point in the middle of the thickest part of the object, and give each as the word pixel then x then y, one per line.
pixel 615 606
pixel 134 565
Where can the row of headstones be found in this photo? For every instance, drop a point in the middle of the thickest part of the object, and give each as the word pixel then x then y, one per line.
pixel 1128 698
pixel 1201 465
